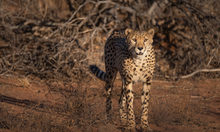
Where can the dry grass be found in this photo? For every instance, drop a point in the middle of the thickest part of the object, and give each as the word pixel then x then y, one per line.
pixel 172 109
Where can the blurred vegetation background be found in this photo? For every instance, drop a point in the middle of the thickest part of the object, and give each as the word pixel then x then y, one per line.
pixel 58 39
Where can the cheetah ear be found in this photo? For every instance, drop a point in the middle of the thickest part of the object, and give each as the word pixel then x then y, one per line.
pixel 128 31
pixel 151 32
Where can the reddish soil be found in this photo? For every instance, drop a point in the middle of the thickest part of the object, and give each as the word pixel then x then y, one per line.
pixel 30 104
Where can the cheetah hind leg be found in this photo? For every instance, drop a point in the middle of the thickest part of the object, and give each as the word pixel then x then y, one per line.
pixel 110 78
pixel 123 108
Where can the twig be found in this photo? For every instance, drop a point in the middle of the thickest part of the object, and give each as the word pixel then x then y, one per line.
pixel 200 70
pixel 157 7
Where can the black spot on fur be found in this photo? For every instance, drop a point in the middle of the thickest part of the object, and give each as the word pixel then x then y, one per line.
pixel 147 93
pixel 148 83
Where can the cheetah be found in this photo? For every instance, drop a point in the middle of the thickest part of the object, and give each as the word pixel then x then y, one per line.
pixel 130 53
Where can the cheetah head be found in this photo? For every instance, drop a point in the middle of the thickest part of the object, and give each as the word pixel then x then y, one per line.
pixel 139 41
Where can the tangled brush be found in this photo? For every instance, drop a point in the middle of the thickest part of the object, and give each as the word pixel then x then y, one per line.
pixel 59 39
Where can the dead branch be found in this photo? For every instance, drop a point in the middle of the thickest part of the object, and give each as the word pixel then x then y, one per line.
pixel 200 70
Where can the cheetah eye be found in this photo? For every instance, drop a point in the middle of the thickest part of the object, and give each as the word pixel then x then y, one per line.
pixel 134 40
pixel 145 40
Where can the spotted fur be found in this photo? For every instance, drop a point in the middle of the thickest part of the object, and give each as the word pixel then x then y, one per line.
pixel 131 54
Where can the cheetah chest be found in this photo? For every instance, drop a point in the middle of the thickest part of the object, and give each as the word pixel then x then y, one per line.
pixel 139 70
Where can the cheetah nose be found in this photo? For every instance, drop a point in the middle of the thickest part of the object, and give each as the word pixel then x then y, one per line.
pixel 140 48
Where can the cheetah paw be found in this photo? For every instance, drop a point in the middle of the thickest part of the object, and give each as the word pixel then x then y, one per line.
pixel 129 130
pixel 146 129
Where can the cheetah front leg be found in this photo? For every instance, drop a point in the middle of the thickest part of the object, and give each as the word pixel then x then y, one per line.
pixel 130 99
pixel 145 102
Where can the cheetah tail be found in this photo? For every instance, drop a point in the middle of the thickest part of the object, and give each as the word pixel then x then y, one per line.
pixel 98 73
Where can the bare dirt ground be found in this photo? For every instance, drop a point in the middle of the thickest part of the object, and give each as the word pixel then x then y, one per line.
pixel 30 104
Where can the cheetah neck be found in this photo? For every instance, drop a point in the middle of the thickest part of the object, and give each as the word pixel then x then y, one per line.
pixel 140 59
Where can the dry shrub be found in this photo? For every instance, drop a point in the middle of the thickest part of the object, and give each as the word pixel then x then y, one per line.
pixel 60 39
pixel 188 37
